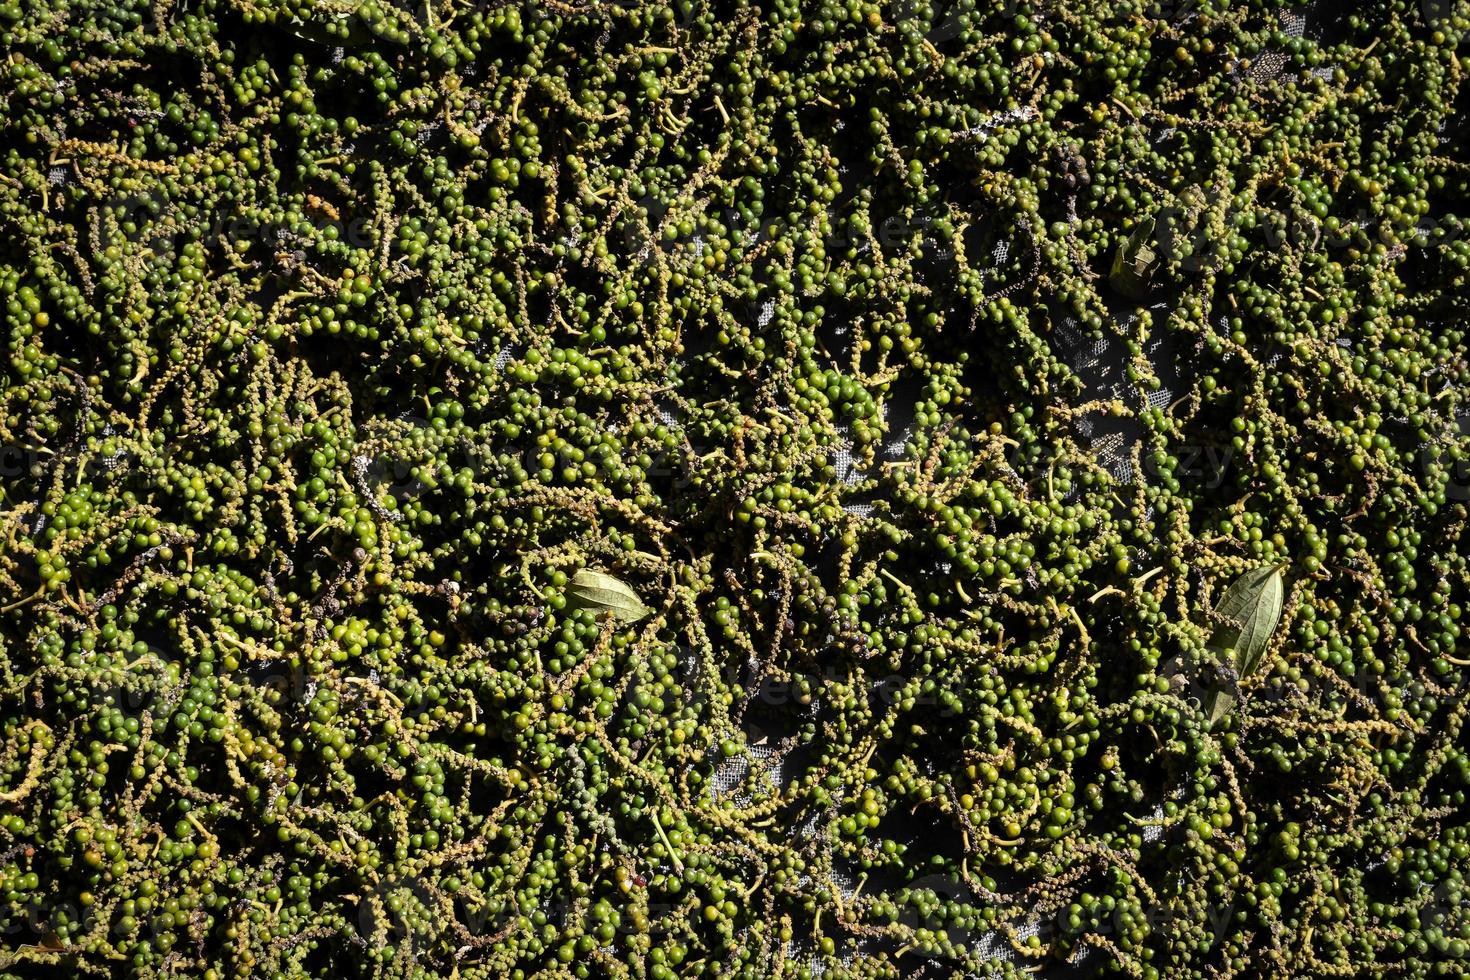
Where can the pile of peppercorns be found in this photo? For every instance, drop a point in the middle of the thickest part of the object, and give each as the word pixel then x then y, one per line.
pixel 625 490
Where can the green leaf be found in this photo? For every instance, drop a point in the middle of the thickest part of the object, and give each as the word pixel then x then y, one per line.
pixel 1134 262
pixel 1246 616
pixel 603 593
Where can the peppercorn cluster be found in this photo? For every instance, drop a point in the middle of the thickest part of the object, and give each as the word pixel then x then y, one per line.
pixel 639 490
